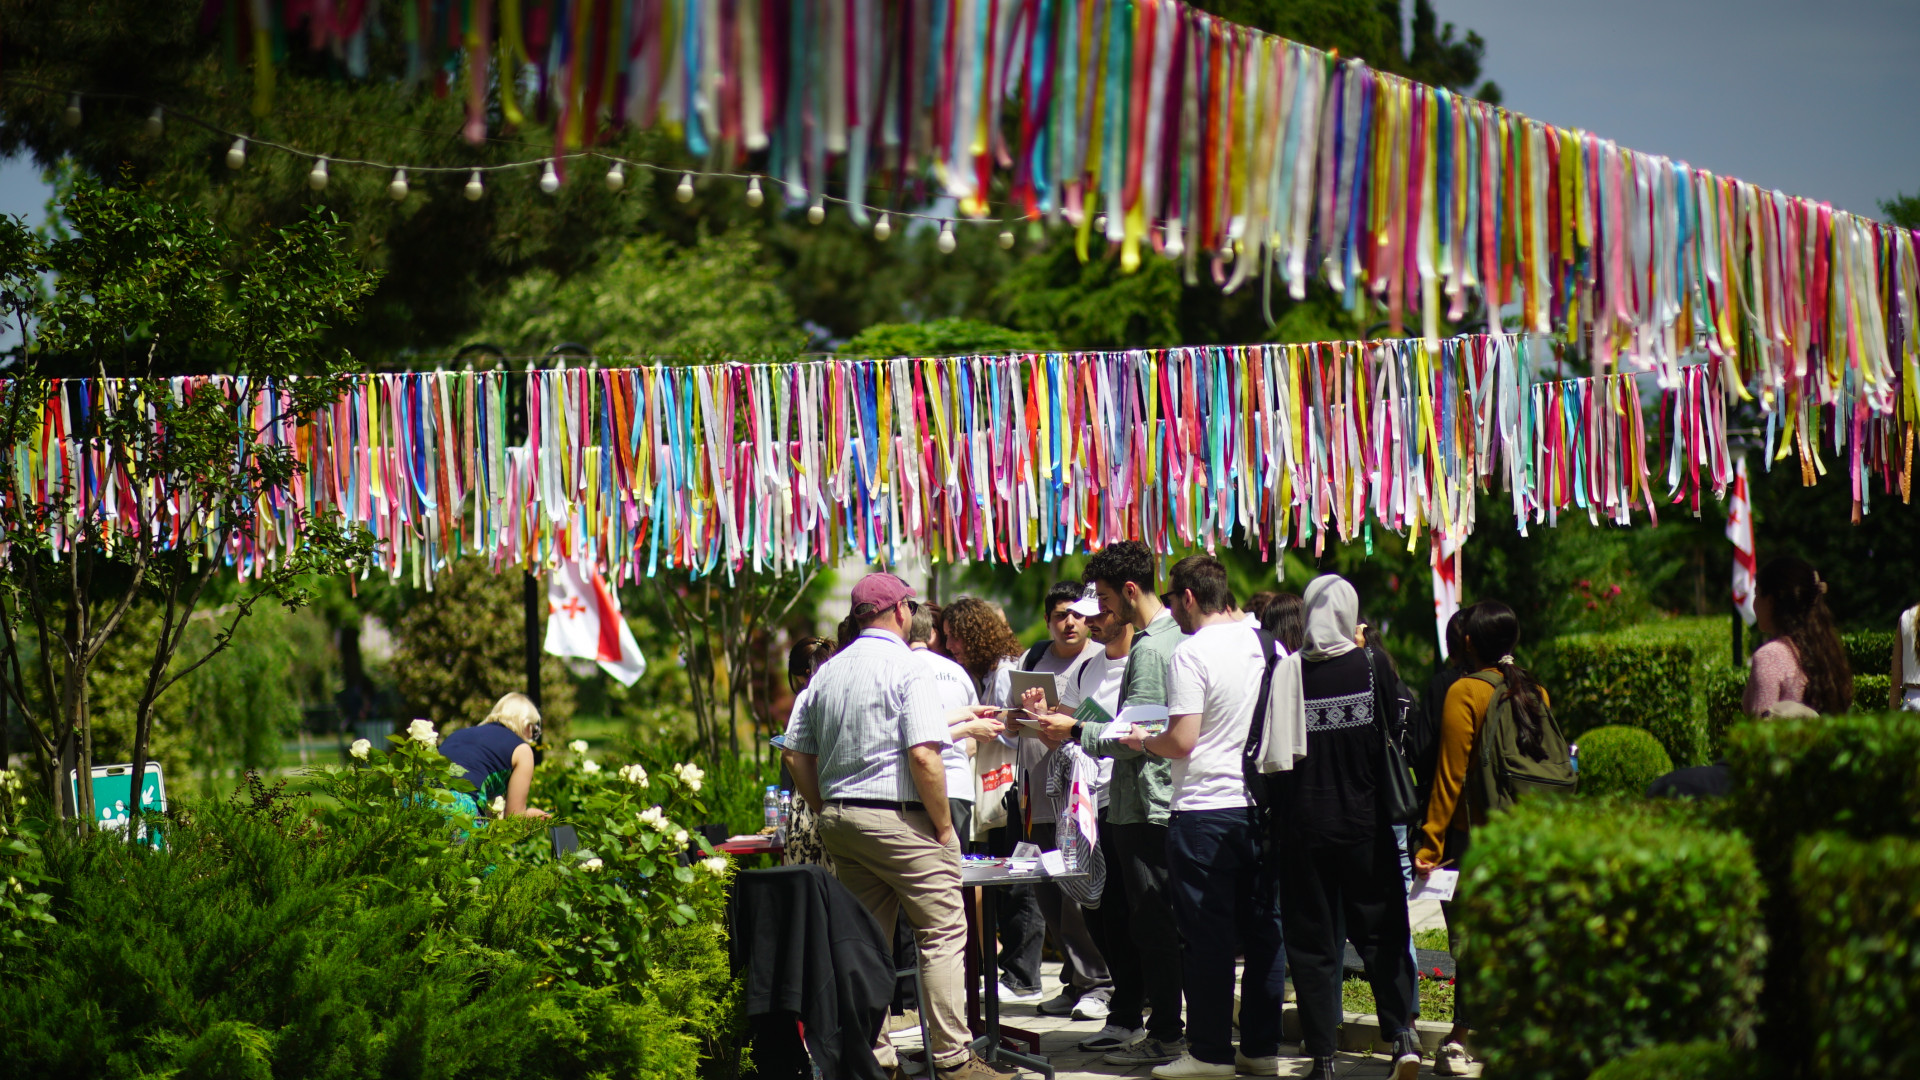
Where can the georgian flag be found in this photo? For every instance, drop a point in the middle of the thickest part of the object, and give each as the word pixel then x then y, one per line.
pixel 1740 531
pixel 584 620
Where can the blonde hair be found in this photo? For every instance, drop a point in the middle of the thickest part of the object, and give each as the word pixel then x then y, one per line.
pixel 516 712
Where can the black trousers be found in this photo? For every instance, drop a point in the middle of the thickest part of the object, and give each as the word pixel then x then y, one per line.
pixel 1023 930
pixel 1138 856
pixel 1330 895
pixel 1111 927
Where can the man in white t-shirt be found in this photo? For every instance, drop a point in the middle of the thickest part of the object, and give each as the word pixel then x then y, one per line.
pixel 1224 895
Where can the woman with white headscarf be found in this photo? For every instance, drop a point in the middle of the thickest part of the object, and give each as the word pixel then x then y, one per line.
pixel 1339 861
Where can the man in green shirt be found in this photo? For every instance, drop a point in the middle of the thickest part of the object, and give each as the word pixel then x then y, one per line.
pixel 1138 803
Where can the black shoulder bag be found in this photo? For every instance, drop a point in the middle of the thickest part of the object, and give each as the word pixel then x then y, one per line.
pixel 1398 795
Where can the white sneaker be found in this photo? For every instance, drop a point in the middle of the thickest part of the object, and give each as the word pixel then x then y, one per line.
pixel 1450 1060
pixel 1186 1066
pixel 1019 997
pixel 1112 1037
pixel 1265 1065
pixel 1090 1008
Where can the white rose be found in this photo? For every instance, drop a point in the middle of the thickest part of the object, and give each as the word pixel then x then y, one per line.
pixel 680 837
pixel 589 766
pixel 651 816
pixel 578 746
pixel 716 865
pixel 499 806
pixel 690 775
pixel 359 749
pixel 422 732
pixel 591 864
pixel 634 774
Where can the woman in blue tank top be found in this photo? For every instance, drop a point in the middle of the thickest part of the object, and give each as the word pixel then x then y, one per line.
pixel 497 758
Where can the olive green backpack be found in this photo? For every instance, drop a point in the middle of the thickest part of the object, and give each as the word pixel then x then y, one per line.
pixel 1501 773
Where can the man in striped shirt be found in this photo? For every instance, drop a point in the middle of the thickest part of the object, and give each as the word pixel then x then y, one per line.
pixel 865 755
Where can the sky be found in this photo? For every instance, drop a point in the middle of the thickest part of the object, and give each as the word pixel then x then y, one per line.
pixel 1814 97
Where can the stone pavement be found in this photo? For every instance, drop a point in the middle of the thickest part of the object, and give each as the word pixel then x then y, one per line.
pixel 1058 1036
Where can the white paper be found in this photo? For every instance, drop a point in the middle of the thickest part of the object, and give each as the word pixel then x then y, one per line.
pixel 1053 862
pixel 1143 714
pixel 1438 885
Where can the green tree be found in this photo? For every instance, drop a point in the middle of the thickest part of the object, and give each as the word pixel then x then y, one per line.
pixel 141 293
pixel 715 298
pixel 943 337
pixel 1903 210
pixel 463 645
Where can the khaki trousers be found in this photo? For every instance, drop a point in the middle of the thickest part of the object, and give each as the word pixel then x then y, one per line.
pixel 891 862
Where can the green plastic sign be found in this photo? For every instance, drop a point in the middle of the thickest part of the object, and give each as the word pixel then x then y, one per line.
pixel 110 798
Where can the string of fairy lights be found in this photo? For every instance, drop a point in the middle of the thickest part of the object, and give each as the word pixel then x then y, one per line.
pixel 400 186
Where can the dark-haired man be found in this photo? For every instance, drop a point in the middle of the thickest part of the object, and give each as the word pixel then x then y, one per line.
pixel 1225 896
pixel 1122 575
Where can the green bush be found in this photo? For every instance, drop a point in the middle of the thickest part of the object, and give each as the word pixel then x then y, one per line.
pixel 1593 928
pixel 1862 952
pixel 1852 773
pixel 1596 681
pixel 1679 1061
pixel 1724 688
pixel 377 931
pixel 1620 760
pixel 1870 652
pixel 1870 692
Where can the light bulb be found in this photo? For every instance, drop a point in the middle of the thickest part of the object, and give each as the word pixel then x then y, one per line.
pixel 616 177
pixel 1176 244
pixel 397 187
pixel 816 213
pixel 474 188
pixel 883 228
pixel 946 241
pixel 156 123
pixel 754 195
pixel 1006 239
pixel 685 191
pixel 72 116
pixel 237 154
pixel 550 179
pixel 317 179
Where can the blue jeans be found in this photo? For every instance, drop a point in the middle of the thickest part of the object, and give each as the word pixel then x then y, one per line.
pixel 1226 897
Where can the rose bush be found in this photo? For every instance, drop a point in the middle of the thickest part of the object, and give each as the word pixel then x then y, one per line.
pixel 371 926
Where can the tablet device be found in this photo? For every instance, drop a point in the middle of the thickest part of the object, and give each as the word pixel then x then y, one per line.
pixel 1022 681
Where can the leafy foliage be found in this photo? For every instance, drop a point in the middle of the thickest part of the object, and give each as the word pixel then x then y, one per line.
pixel 652 299
pixel 1792 778
pixel 942 337
pixel 463 645
pixel 1620 760
pixel 22 901
pixel 1862 934
pixel 1596 681
pixel 1870 652
pixel 1593 928
pixel 374 931
pixel 1704 1060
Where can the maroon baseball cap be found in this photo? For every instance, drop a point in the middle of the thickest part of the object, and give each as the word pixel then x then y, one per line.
pixel 878 592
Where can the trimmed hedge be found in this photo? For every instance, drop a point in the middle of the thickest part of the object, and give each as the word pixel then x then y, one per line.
pixel 1595 927
pixel 1792 778
pixel 1620 760
pixel 1724 688
pixel 1598 682
pixel 1679 1061
pixel 1862 954
pixel 1870 692
pixel 1870 652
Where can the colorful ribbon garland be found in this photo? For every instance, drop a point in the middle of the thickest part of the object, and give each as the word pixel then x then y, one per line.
pixel 988 458
pixel 1209 142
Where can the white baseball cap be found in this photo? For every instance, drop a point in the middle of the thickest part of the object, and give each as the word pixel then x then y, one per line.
pixel 1087 606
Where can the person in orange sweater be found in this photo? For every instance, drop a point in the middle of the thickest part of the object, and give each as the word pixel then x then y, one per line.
pixel 1492 630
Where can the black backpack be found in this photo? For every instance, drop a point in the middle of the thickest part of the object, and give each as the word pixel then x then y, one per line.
pixel 1262 788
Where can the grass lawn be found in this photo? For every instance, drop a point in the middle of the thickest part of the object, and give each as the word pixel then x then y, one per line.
pixel 1436 995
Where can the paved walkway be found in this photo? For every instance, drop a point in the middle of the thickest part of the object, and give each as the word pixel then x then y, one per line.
pixel 1059 1035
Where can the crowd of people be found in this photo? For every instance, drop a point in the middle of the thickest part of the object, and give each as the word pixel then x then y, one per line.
pixel 1259 824
pixel 1244 828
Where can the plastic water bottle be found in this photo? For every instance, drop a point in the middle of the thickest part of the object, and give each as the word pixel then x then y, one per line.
pixel 1573 756
pixel 786 816
pixel 772 806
